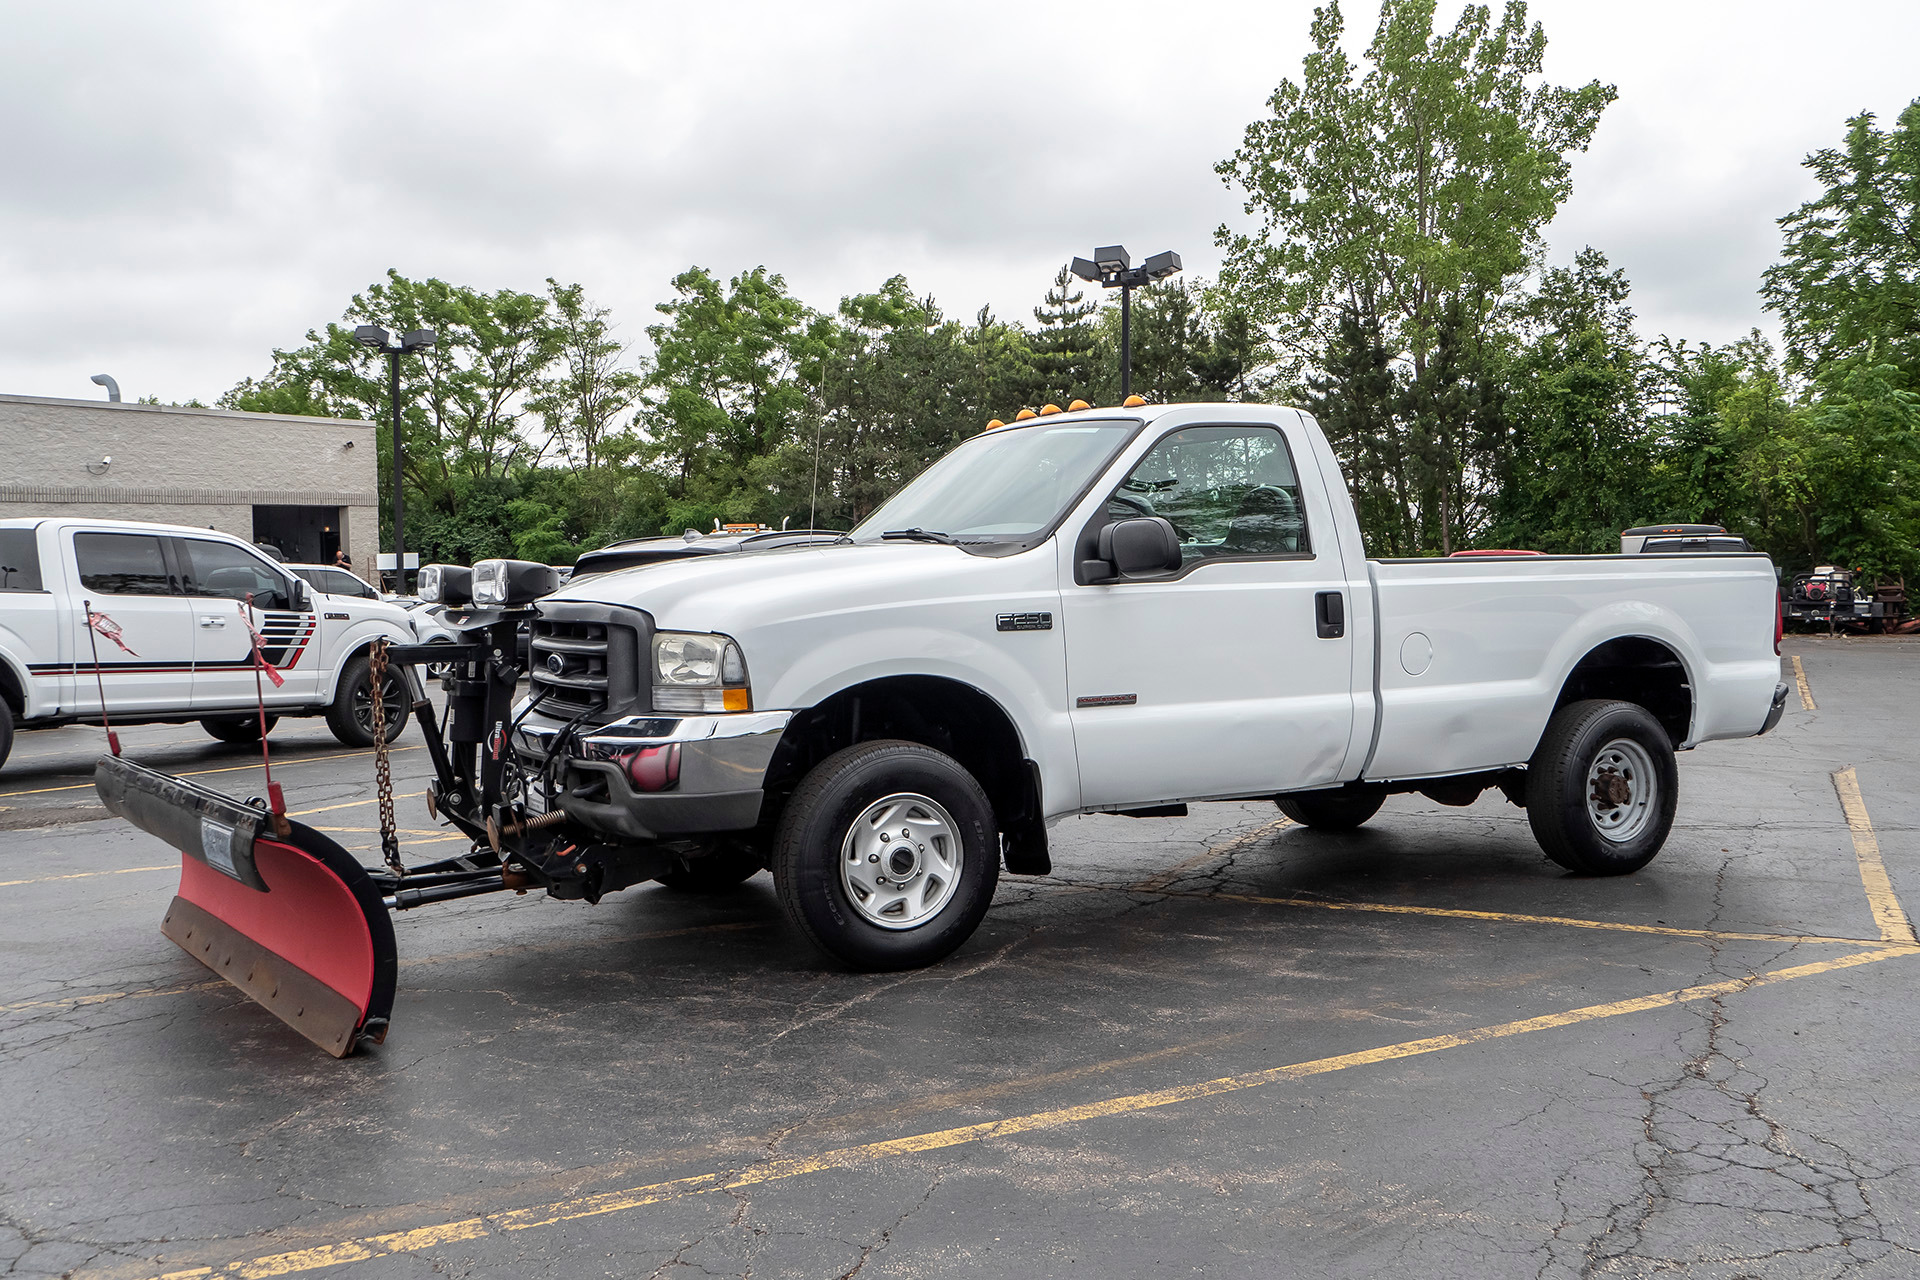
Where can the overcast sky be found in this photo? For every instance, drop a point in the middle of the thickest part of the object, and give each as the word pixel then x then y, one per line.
pixel 184 187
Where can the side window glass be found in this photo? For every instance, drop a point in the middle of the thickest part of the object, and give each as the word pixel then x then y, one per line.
pixel 220 569
pixel 1229 492
pixel 19 560
pixel 121 564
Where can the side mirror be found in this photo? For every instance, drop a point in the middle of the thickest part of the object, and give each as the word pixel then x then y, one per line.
pixel 299 600
pixel 1142 546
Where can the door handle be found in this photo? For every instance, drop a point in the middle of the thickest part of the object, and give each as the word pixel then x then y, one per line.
pixel 212 620
pixel 1329 614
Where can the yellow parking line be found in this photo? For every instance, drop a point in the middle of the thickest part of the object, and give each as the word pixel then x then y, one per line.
pixel 437 1234
pixel 1800 678
pixel 237 768
pixel 1509 917
pixel 350 804
pixel 88 875
pixel 1155 883
pixel 1887 911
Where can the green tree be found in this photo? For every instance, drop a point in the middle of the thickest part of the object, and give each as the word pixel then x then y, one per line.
pixel 1064 363
pixel 1848 282
pixel 1579 463
pixel 1413 199
pixel 582 401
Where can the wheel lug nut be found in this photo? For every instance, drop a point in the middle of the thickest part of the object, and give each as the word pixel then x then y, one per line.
pixel 884 837
pixel 906 834
pixel 873 857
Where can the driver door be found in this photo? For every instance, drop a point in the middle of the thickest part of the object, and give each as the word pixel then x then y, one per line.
pixel 1214 680
pixel 219 578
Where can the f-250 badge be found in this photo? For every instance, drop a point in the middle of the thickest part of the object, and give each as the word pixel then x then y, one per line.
pixel 1023 622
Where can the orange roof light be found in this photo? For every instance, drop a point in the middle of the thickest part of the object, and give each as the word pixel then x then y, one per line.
pixel 1024 414
pixel 1077 406
pixel 994 424
pixel 1132 402
pixel 1046 409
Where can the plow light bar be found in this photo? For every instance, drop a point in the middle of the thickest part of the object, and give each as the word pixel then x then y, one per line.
pixel 498 582
pixel 446 584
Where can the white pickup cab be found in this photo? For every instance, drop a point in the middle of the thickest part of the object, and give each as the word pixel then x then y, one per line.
pixel 1118 611
pixel 155 619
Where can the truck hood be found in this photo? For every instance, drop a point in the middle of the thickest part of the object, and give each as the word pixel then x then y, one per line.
pixel 737 594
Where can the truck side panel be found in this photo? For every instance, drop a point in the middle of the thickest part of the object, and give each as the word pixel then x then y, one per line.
pixel 1474 653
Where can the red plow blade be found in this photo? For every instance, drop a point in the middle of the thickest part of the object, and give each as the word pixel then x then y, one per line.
pixel 292 920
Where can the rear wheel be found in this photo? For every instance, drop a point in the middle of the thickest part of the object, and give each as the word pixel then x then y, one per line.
pixel 351 715
pixel 724 868
pixel 1602 787
pixel 6 730
pixel 237 729
pixel 1341 810
pixel 886 856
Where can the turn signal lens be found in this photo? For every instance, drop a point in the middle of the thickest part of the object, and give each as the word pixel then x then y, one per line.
pixel 736 699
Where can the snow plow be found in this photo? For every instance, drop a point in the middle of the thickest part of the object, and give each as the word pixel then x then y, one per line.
pixel 294 920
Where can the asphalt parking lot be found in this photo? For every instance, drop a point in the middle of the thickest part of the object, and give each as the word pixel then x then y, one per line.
pixel 1218 1045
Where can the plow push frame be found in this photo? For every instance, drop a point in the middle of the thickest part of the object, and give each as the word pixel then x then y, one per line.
pixel 294 920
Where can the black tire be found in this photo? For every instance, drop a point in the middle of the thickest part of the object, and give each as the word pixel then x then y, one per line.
pixel 351 715
pixel 440 670
pixel 1602 787
pixel 1341 810
pixel 724 868
pixel 818 826
pixel 6 730
pixel 236 729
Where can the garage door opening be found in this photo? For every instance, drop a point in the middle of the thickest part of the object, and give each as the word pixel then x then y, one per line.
pixel 304 535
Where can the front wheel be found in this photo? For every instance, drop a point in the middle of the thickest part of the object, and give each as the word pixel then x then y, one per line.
pixel 886 856
pixel 6 730
pixel 1602 787
pixel 239 730
pixel 351 715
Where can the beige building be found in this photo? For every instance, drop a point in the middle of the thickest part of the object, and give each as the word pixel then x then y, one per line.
pixel 305 485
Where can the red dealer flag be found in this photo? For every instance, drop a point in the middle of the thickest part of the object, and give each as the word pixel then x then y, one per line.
pixel 259 656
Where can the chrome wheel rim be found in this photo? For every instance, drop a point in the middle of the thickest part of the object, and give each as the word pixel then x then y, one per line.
pixel 900 862
pixel 1621 790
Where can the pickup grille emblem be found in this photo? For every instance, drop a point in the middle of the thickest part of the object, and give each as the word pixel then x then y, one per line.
pixel 1024 622
pixel 1108 700
pixel 556 664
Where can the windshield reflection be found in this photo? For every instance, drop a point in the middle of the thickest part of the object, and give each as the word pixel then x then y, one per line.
pixel 1001 486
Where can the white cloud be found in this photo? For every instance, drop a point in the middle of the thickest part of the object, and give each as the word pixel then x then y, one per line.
pixel 189 186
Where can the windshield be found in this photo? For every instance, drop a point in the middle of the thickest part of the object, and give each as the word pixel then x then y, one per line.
pixel 1003 485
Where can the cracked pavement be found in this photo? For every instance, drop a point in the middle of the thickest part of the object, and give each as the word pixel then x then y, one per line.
pixel 549 1053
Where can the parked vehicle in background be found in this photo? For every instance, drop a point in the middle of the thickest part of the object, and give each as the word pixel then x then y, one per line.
pixel 165 610
pixel 335 581
pixel 1835 598
pixel 1660 539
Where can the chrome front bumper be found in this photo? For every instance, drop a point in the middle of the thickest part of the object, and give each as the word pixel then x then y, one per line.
pixel 722 760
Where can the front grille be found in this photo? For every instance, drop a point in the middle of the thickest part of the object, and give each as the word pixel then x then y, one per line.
pixel 585 659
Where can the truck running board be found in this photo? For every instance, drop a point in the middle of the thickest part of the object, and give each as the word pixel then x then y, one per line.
pixel 294 921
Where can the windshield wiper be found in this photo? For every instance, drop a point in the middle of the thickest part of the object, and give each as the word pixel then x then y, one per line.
pixel 920 535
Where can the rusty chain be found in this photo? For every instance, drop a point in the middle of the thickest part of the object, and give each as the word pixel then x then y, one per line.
pixel 383 775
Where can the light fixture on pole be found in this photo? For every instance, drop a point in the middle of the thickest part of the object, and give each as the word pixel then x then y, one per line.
pixel 372 335
pixel 1112 268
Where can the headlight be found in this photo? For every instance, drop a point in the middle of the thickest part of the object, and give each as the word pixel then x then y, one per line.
pixel 497 582
pixel 696 672
pixel 446 584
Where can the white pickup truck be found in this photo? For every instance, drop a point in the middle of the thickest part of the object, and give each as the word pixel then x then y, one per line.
pixel 172 636
pixel 1117 611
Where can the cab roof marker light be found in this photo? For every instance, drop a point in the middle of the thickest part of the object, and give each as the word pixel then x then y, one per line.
pixel 994 424
pixel 1077 406
pixel 1024 414
pixel 1133 402
pixel 1047 409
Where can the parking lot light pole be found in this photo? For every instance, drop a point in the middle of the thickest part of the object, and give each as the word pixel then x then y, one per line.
pixel 1112 268
pixel 372 335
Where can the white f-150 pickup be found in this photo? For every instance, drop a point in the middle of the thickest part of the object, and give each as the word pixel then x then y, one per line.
pixel 1116 611
pixel 170 637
